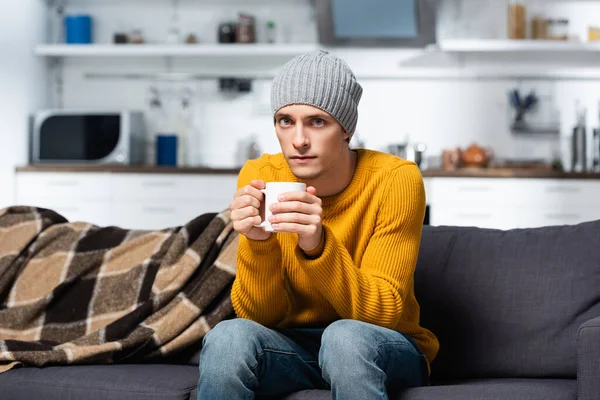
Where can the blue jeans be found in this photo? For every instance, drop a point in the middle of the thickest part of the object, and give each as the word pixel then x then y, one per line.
pixel 353 359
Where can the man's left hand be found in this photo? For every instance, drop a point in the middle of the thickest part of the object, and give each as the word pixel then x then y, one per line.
pixel 301 213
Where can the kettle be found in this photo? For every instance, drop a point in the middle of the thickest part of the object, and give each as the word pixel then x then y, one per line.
pixel 415 152
pixel 476 156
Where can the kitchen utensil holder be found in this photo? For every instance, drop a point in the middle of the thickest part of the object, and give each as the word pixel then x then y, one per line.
pixel 529 113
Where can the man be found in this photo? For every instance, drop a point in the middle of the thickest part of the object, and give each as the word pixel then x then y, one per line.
pixel 327 301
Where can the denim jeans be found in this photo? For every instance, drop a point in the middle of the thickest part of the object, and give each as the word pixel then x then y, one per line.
pixel 353 359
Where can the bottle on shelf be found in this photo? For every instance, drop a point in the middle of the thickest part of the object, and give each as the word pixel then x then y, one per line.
pixel 596 145
pixel 517 26
pixel 578 142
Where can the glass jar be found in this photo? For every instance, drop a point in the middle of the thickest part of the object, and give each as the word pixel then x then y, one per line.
pixel 558 29
pixel 246 32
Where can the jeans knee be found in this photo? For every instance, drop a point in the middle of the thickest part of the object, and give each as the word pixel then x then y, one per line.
pixel 228 341
pixel 343 341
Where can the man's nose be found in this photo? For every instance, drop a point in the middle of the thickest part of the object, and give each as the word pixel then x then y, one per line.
pixel 300 138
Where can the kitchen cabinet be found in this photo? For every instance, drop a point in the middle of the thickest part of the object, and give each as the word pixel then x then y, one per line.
pixel 149 200
pixel 506 203
pixel 128 200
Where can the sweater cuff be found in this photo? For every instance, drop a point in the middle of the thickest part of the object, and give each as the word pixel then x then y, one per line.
pixel 317 251
pixel 263 247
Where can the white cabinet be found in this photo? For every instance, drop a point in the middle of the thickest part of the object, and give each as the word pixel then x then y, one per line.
pixel 33 185
pixel 482 216
pixel 506 203
pixel 127 200
pixel 157 201
pixel 77 196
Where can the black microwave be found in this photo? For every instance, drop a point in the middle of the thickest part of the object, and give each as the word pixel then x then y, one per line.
pixel 87 137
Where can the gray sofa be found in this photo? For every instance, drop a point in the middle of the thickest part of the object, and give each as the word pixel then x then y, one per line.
pixel 517 314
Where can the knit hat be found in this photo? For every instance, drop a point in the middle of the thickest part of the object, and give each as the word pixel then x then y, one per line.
pixel 321 80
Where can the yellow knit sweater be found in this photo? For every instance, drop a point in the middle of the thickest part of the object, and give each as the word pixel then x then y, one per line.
pixel 364 268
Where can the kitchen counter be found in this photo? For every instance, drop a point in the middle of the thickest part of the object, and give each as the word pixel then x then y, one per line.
pixel 130 169
pixel 431 173
pixel 508 173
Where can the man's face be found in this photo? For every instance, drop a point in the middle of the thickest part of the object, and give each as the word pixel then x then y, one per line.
pixel 311 140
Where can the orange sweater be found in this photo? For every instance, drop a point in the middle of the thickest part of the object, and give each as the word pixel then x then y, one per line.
pixel 364 268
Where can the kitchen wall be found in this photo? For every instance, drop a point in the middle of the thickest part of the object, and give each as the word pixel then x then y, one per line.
pixel 439 112
pixel 21 87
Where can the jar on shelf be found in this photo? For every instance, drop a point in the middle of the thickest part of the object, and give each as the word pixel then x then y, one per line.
pixel 539 28
pixel 517 28
pixel 271 31
pixel 558 29
pixel 246 32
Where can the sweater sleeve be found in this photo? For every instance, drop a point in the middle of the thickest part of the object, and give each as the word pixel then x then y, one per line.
pixel 258 292
pixel 375 291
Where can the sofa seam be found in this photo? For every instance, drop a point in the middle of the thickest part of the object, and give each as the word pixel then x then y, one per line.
pixel 100 389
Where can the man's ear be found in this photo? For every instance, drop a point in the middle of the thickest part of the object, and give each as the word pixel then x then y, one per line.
pixel 346 137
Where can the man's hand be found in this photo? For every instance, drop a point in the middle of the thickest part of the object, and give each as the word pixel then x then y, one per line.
pixel 245 211
pixel 301 213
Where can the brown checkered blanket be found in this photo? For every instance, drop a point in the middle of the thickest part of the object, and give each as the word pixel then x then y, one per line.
pixel 75 293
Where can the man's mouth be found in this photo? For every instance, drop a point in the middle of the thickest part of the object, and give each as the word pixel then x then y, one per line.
pixel 302 159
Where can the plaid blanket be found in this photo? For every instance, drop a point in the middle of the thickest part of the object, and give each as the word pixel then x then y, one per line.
pixel 75 293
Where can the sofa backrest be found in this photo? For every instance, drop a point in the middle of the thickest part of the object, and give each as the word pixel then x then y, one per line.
pixel 508 303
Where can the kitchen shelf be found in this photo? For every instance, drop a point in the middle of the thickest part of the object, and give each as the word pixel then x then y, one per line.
pixel 191 50
pixel 516 46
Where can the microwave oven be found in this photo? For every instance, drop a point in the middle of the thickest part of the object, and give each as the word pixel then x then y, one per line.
pixel 87 137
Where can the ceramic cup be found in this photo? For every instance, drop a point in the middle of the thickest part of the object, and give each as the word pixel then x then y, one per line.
pixel 272 192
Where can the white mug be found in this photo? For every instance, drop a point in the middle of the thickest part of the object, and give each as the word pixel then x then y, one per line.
pixel 272 192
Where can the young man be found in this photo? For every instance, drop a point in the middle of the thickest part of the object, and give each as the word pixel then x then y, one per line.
pixel 327 301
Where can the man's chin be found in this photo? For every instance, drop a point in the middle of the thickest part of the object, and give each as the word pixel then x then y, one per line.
pixel 305 174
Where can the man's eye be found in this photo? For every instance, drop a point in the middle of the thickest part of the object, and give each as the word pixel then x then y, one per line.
pixel 318 122
pixel 284 121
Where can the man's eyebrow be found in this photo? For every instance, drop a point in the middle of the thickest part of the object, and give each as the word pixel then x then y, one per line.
pixel 311 116
pixel 320 115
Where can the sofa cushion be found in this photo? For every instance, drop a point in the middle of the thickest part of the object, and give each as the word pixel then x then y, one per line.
pixel 500 389
pixel 508 303
pixel 96 382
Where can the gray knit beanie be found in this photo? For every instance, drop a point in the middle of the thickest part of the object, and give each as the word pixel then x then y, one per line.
pixel 321 80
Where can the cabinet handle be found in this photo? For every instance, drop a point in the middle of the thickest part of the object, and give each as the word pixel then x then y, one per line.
pixel 63 183
pixel 161 210
pixel 474 215
pixel 561 216
pixel 159 184
pixel 563 189
pixel 474 188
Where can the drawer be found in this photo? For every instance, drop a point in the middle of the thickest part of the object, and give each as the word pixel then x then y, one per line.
pixel 163 214
pixel 175 187
pixel 477 191
pixel 94 212
pixel 427 186
pixel 482 217
pixel 536 217
pixel 556 193
pixel 68 185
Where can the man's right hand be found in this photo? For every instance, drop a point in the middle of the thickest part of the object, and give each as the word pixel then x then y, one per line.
pixel 245 211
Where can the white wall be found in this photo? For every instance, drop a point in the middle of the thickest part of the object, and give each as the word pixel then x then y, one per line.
pixel 21 84
pixel 441 113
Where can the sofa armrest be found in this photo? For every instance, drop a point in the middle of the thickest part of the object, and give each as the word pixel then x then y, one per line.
pixel 588 360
